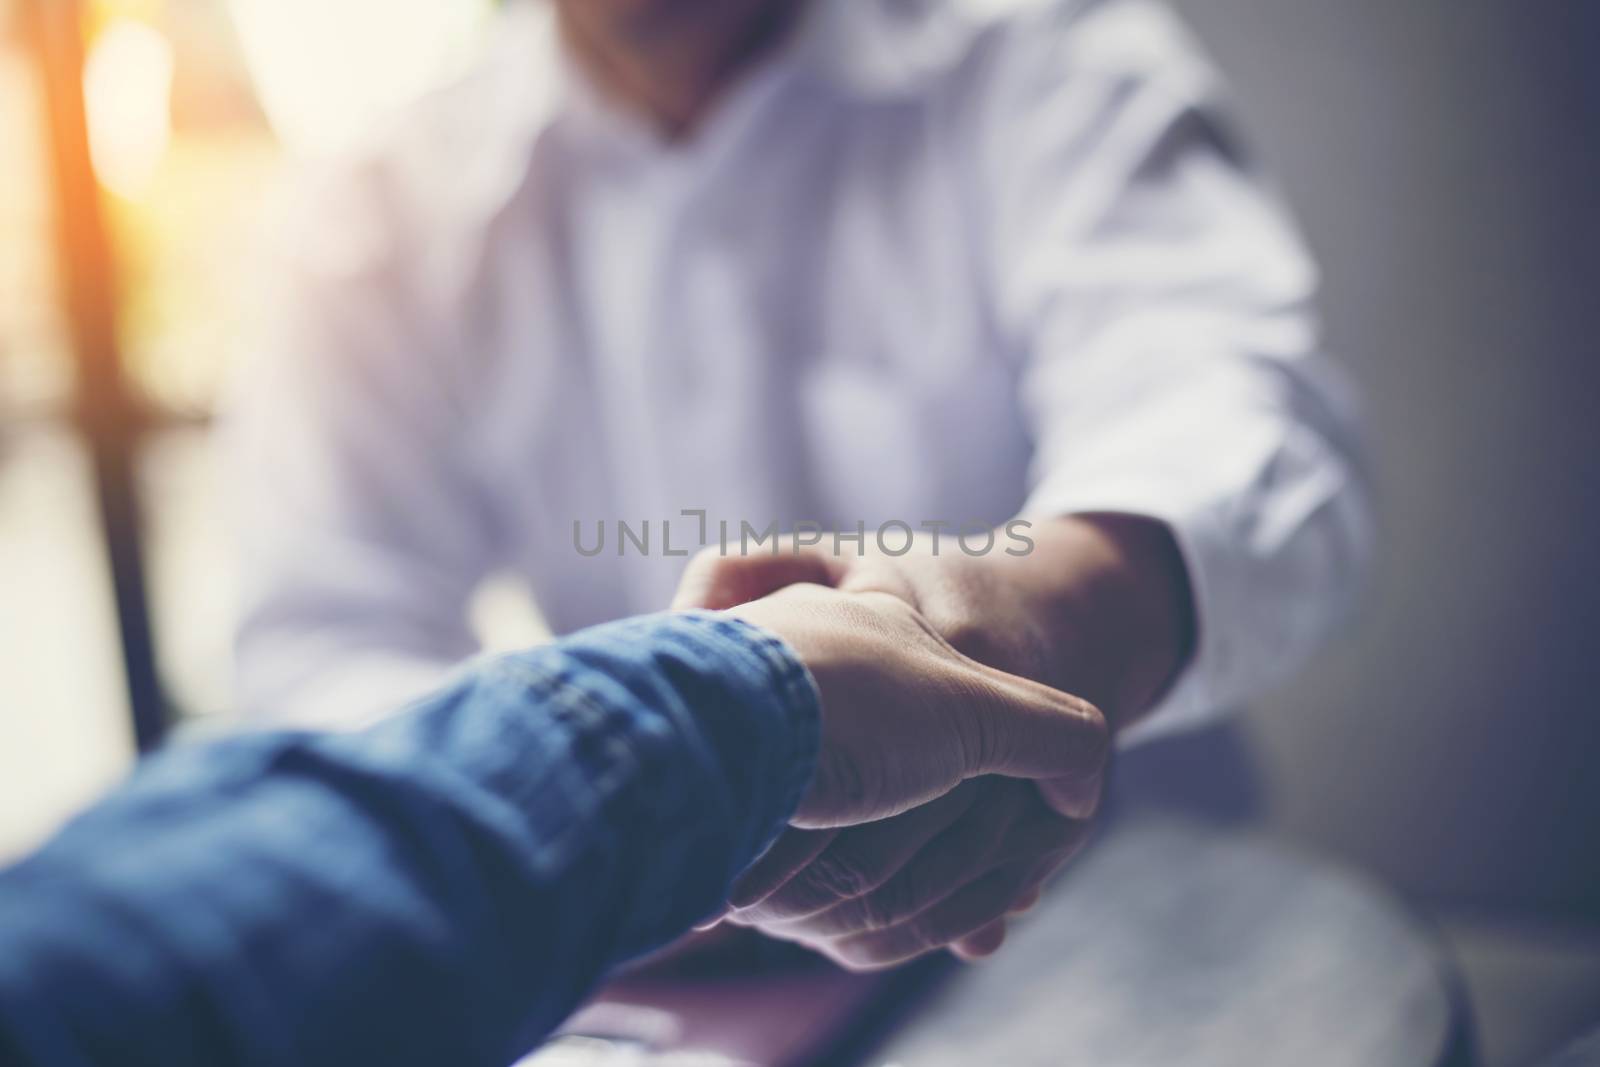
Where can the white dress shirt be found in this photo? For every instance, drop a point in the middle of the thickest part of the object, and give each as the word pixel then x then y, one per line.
pixel 933 260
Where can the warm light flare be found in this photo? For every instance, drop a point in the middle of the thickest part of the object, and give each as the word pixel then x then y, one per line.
pixel 127 89
pixel 325 71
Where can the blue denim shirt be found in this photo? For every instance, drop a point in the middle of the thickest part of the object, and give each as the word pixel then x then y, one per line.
pixel 441 889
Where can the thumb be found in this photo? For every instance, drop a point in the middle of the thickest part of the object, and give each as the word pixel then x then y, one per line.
pixel 715 581
pixel 1029 730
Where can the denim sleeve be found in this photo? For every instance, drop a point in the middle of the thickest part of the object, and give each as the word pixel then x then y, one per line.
pixel 441 889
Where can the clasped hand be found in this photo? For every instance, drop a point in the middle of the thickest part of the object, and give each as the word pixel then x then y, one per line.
pixel 946 790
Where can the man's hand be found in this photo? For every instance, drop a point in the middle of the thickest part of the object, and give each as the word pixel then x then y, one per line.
pixel 1100 607
pixel 907 718
pixel 974 783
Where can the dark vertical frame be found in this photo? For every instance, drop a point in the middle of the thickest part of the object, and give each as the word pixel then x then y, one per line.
pixel 105 412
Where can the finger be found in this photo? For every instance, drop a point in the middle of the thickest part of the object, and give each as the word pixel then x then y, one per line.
pixel 1028 730
pixel 992 835
pixel 1033 890
pixel 963 913
pixel 861 859
pixel 715 581
pixel 1074 796
pixel 963 852
pixel 986 942
pixel 1026 902
pixel 787 856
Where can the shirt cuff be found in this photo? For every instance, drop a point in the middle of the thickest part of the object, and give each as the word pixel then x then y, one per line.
pixel 775 679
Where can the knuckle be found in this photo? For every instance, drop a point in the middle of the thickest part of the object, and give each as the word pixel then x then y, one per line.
pixel 896 900
pixel 970 638
pixel 1004 644
pixel 840 920
pixel 991 648
pixel 1096 731
pixel 707 563
pixel 880 909
pixel 922 937
pixel 701 585
pixel 837 875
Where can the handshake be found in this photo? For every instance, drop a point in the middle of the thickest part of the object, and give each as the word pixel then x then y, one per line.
pixel 948 786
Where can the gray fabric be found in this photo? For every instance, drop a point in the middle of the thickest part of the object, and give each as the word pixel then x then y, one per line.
pixel 1175 943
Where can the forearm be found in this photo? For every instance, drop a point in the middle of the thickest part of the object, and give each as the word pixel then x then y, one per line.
pixel 1110 608
pixel 443 888
pixel 1273 519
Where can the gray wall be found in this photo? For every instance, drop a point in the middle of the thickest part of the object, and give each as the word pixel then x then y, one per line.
pixel 1440 154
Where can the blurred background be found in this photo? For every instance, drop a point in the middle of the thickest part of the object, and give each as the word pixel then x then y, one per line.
pixel 1443 155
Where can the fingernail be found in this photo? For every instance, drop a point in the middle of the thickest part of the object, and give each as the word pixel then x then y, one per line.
pixel 1075 798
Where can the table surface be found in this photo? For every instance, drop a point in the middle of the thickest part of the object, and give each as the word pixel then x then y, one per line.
pixel 1182 943
pixel 1170 942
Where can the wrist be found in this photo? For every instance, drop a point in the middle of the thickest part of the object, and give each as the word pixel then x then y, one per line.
pixel 1109 595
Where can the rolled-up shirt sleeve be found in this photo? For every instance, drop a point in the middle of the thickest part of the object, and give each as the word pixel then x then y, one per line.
pixel 442 888
pixel 1173 369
